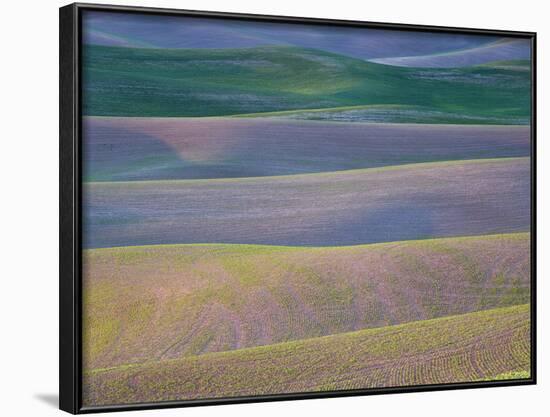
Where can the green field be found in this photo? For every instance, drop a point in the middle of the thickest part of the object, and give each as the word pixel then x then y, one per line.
pixel 217 82
pixel 391 114
pixel 510 64
pixel 487 345
pixel 168 301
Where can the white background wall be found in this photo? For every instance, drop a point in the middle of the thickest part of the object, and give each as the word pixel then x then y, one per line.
pixel 29 208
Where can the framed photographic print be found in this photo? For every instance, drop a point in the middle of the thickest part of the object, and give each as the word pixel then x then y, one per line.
pixel 259 208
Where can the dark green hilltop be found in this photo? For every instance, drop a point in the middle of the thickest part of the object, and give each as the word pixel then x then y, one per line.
pixel 135 82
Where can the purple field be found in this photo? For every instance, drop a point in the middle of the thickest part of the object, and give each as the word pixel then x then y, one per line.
pixel 324 209
pixel 119 149
pixel 139 31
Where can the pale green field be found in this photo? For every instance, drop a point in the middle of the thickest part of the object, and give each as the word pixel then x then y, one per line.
pixel 487 345
pixel 168 301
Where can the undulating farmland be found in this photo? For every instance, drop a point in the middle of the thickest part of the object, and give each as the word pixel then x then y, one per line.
pixel 480 345
pixel 325 209
pixel 395 113
pixel 220 82
pixel 500 50
pixel 159 302
pixel 120 149
pixel 281 208
pixel 159 32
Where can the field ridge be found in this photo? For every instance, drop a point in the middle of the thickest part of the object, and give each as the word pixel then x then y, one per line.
pixel 487 345
pixel 343 172
pixel 208 298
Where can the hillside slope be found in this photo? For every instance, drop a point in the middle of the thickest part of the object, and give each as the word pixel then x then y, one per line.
pixel 215 82
pixel 482 345
pixel 324 209
pixel 161 31
pixel 159 302
pixel 500 50
pixel 130 148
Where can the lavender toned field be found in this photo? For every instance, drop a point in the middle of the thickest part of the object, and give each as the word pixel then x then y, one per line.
pixel 324 209
pixel 500 50
pixel 119 149
pixel 492 344
pixel 203 33
pixel 282 208
pixel 163 302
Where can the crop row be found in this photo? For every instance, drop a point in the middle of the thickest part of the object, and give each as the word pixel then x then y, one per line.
pixel 163 302
pixel 482 345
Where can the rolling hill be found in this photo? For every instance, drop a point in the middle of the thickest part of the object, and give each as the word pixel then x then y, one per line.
pixel 324 209
pixel 160 302
pixel 492 344
pixel 274 208
pixel 139 31
pixel 502 49
pixel 121 149
pixel 515 64
pixel 122 81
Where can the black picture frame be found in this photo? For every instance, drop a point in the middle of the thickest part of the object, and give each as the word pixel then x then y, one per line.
pixel 70 208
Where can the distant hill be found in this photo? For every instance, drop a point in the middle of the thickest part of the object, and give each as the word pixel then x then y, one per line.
pixel 212 297
pixel 216 82
pixel 161 31
pixel 504 49
pixel 487 345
